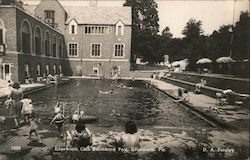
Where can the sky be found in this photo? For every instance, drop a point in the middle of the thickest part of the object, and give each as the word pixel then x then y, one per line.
pixel 176 13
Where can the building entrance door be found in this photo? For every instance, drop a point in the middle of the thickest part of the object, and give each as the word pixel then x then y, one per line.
pixel 7 74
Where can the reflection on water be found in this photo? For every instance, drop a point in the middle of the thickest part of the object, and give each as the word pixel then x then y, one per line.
pixel 146 106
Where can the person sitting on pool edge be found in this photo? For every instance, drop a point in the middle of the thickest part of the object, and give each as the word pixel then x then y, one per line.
pixel 184 98
pixel 81 136
pixel 197 90
pixel 130 138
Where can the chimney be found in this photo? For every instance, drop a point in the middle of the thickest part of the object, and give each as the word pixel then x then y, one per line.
pixel 93 3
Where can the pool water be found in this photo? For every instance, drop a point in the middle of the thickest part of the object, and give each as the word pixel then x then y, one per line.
pixel 147 106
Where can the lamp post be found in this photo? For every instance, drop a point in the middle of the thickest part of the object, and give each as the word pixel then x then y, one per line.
pixel 231 30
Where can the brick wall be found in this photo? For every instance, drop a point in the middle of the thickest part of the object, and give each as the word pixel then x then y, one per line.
pixel 13 18
pixel 60 14
pixel 107 50
pixel 20 17
pixel 7 14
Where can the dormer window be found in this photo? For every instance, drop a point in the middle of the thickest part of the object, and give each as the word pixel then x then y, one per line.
pixel 73 27
pixel 119 28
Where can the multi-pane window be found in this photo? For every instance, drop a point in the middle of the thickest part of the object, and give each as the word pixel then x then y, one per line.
pixel 73 49
pixel 54 69
pixel 47 69
pixel 38 41
pixel 119 50
pixel 54 46
pixel 96 50
pixel 1 36
pixel 49 16
pixel 60 49
pixel 46 44
pixel 38 70
pixel 60 68
pixel 96 30
pixel 26 45
pixel 26 71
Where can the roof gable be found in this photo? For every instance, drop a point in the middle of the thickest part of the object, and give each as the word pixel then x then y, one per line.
pixel 99 15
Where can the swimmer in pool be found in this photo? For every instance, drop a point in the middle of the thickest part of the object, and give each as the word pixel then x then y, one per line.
pixel 114 113
pixel 106 92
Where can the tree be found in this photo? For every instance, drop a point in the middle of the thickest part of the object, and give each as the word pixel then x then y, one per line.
pixel 144 25
pixel 148 16
pixel 166 33
pixel 241 36
pixel 193 40
pixel 221 41
pixel 135 27
pixel 192 29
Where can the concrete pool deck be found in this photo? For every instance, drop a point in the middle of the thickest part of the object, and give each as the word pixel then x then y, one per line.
pixel 158 137
pixel 233 115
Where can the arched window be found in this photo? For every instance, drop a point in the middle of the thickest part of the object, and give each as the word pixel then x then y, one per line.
pixel 38 41
pixel 26 36
pixel 60 48
pixel 54 46
pixel 2 32
pixel 46 44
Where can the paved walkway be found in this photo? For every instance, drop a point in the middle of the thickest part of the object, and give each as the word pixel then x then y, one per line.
pixel 235 116
pixel 5 91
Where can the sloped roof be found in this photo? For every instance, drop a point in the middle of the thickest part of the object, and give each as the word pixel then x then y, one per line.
pixel 29 8
pixel 99 15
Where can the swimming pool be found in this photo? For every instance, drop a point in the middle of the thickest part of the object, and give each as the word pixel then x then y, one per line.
pixel 145 105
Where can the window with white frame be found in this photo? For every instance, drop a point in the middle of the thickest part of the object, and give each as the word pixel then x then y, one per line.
pixel 2 34
pixel 54 69
pixel 119 50
pixel 119 29
pixel 73 49
pixel 73 27
pixel 47 69
pixel 38 70
pixel 99 30
pixel 60 68
pixel 26 71
pixel 95 70
pixel 95 50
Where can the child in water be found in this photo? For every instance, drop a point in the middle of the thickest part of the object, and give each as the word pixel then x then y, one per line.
pixel 27 108
pixel 58 106
pixel 58 119
pixel 34 128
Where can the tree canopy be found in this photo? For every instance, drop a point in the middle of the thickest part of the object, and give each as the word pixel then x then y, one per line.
pixel 144 26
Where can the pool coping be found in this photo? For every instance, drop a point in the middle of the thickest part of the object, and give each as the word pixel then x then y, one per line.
pixel 212 120
pixel 36 88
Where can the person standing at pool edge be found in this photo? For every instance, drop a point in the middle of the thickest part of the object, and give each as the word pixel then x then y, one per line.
pixel 16 95
pixel 58 119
